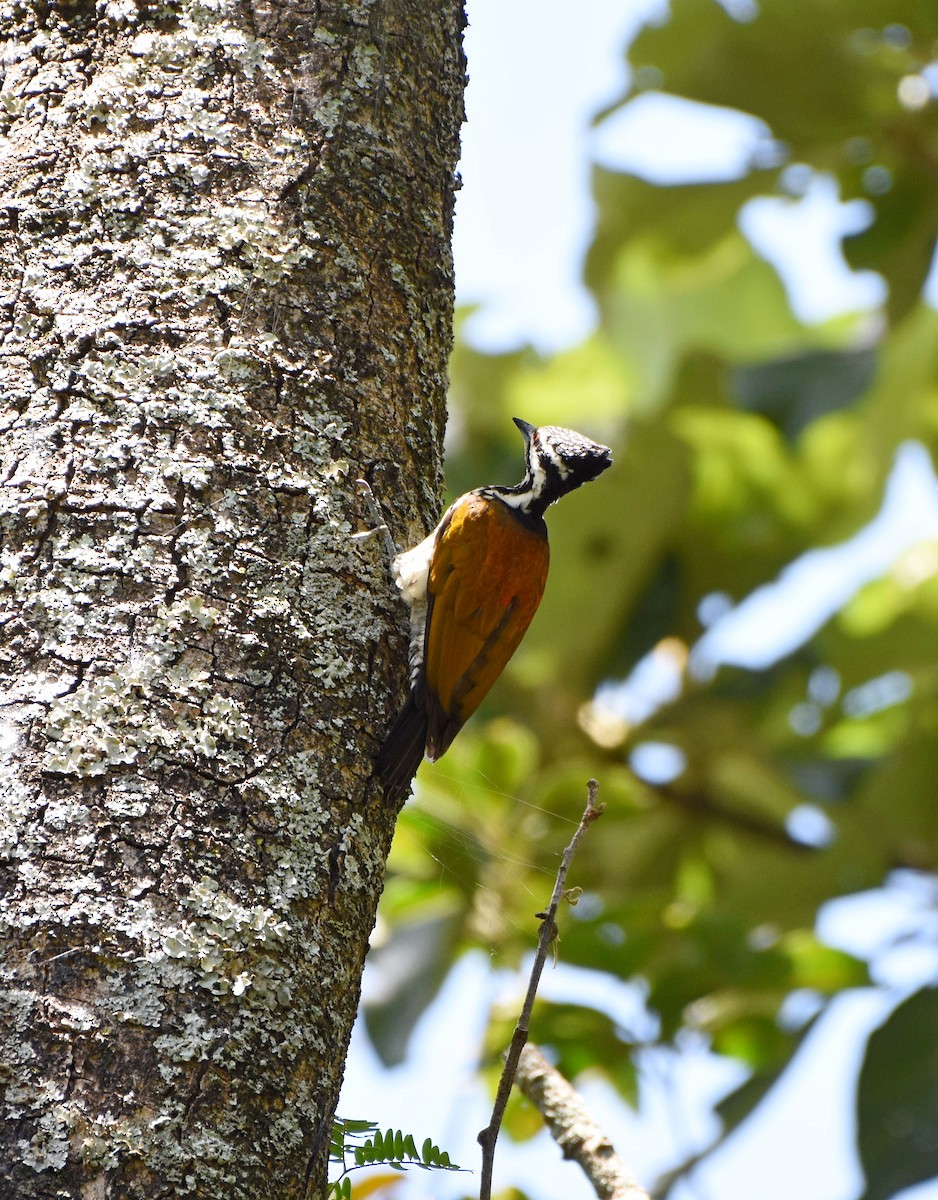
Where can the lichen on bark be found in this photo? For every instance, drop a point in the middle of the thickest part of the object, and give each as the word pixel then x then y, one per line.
pixel 225 292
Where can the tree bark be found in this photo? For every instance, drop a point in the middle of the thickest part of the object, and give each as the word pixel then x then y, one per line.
pixel 225 292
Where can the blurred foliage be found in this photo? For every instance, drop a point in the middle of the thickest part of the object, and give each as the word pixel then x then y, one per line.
pixel 743 440
pixel 897 1107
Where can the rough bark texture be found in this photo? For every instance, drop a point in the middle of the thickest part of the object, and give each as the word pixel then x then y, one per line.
pixel 225 291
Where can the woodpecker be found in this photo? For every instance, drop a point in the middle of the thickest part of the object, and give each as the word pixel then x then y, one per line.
pixel 473 586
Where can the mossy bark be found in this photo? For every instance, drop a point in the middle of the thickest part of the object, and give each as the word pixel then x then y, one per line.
pixel 225 293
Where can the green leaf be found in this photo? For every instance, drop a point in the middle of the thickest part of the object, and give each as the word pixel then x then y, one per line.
pixel 688 218
pixel 897 1099
pixel 900 242
pixel 793 392
pixel 591 377
pixel 806 70
pixel 822 968
pixel 659 306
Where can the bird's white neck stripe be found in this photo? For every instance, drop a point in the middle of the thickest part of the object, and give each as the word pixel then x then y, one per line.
pixel 519 500
pixel 563 470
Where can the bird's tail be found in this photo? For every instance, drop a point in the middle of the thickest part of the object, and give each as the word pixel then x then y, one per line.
pixel 400 756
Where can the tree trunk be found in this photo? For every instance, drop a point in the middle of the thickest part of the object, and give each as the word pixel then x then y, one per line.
pixel 226 292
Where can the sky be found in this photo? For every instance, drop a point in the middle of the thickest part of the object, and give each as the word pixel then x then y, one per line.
pixel 523 222
pixel 524 214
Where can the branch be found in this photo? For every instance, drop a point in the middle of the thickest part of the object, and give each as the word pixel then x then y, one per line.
pixel 489 1136
pixel 574 1130
pixel 697 801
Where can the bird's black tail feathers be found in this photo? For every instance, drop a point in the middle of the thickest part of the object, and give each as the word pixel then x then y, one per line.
pixel 403 748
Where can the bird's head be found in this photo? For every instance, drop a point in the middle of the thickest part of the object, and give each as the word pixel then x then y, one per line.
pixel 557 461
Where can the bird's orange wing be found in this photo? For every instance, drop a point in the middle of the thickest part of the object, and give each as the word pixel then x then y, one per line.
pixel 486 580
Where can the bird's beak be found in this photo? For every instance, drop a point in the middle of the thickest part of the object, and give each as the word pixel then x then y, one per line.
pixel 527 431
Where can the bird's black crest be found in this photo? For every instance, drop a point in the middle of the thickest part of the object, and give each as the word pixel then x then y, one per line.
pixel 559 460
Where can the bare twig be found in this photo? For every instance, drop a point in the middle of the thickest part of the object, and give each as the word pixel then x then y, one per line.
pixel 489 1136
pixel 573 1129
